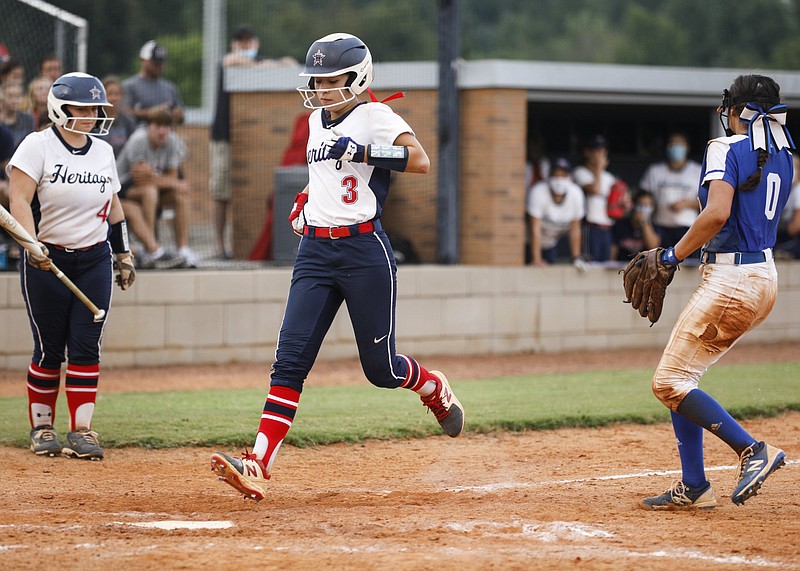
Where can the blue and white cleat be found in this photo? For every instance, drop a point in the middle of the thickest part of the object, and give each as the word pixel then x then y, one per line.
pixel 682 497
pixel 755 464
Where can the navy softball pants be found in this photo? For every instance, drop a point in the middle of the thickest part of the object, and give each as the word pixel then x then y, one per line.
pixel 359 271
pixel 59 321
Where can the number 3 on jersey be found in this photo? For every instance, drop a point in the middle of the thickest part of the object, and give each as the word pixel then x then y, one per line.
pixel 350 184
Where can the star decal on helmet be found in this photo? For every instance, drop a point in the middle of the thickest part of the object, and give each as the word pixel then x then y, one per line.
pixel 95 92
pixel 318 57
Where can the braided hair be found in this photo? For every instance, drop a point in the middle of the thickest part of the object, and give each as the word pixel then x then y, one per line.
pixel 764 92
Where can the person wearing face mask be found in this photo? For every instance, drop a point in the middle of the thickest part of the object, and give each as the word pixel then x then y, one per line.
pixel 597 182
pixel 243 53
pixel 635 232
pixel 556 207
pixel 787 244
pixel 673 184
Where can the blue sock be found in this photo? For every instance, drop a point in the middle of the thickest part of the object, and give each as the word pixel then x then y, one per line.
pixel 690 449
pixel 702 409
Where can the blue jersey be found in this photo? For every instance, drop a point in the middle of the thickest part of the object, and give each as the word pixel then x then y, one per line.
pixel 753 222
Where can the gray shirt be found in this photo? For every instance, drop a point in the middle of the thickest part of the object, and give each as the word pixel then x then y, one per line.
pixel 138 149
pixel 144 93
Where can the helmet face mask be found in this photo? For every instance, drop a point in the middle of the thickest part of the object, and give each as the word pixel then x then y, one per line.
pixel 78 90
pixel 312 95
pixel 335 55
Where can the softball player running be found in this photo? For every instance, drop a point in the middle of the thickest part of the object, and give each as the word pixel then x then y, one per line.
pixel 745 182
pixel 344 255
pixel 63 191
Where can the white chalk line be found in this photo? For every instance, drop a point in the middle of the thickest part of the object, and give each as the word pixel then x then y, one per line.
pixel 542 551
pixel 178 524
pixel 170 524
pixel 523 485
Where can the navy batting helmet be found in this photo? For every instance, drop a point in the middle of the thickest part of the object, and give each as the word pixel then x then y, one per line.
pixel 337 54
pixel 79 90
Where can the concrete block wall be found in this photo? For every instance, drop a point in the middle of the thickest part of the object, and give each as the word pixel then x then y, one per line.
pixel 195 317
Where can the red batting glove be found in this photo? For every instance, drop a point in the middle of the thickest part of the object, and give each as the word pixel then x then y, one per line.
pixel 294 217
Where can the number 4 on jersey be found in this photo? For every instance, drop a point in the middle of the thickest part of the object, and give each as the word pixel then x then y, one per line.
pixel 103 214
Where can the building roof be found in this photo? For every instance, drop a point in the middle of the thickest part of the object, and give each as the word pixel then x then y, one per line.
pixel 562 81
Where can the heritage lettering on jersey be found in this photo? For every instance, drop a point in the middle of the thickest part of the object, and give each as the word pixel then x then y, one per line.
pixel 64 176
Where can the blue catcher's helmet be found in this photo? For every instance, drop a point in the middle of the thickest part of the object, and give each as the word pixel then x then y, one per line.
pixel 333 55
pixel 80 90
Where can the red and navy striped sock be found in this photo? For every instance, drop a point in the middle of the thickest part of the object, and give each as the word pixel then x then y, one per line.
pixel 276 420
pixel 81 385
pixel 42 394
pixel 417 376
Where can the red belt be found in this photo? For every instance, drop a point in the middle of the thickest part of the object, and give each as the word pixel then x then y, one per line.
pixel 65 249
pixel 339 231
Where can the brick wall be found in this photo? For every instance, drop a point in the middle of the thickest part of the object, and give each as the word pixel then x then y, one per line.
pixel 493 136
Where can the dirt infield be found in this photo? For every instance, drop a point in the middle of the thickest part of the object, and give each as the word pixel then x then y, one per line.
pixel 562 499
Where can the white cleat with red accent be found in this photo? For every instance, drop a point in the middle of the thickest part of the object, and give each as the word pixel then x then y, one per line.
pixel 246 474
pixel 445 406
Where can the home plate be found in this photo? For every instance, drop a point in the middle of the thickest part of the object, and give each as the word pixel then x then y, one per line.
pixel 177 524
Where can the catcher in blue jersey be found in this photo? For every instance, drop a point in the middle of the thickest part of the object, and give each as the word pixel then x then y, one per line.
pixel 745 183
pixel 344 254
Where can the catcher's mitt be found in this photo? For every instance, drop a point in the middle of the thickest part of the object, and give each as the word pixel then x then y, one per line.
pixel 645 280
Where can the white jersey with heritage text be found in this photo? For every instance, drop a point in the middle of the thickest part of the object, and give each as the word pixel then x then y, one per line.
pixel 67 176
pixel 341 193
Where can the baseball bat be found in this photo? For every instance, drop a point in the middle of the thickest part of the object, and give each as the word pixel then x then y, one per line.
pixel 25 240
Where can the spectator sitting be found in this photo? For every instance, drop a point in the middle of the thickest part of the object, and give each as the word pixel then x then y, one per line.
pixel 635 232
pixel 12 71
pixel 50 67
pixel 596 183
pixel 6 152
pixel 148 170
pixel 556 207
pixel 123 125
pixel 36 101
pixel 19 122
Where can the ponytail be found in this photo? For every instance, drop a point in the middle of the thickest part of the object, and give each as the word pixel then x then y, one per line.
pixel 755 178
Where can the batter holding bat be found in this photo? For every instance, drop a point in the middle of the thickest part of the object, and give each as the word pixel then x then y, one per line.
pixel 344 254
pixel 63 188
pixel 745 183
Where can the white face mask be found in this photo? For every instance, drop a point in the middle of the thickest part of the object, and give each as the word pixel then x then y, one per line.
pixel 677 153
pixel 248 53
pixel 646 211
pixel 559 185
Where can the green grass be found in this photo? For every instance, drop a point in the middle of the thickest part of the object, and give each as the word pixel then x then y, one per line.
pixel 229 418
